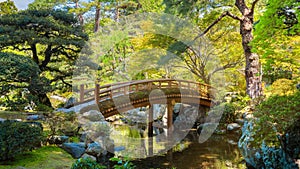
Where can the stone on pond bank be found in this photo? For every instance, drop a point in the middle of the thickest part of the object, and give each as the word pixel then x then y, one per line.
pixel 35 117
pixel 233 127
pixel 85 156
pixel 208 127
pixel 94 149
pixel 58 139
pixel 93 116
pixel 240 121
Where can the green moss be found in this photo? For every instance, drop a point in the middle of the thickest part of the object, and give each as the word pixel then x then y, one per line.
pixel 48 157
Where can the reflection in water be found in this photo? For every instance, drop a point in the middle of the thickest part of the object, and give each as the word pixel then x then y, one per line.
pixel 220 151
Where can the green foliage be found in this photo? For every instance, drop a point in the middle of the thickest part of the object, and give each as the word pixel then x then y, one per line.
pixel 277 39
pixel 62 123
pixel 281 87
pixel 122 163
pixel 275 115
pixel 7 7
pixel 86 163
pixel 44 4
pixel 20 81
pixel 17 138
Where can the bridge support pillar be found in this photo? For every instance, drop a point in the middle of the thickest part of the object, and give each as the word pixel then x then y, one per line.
pixel 150 121
pixel 150 131
pixel 170 107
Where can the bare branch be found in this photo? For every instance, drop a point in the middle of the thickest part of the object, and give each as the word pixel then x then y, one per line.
pixel 227 13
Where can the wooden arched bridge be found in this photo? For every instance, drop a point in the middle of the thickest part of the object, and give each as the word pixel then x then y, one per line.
pixel 119 97
pixel 116 98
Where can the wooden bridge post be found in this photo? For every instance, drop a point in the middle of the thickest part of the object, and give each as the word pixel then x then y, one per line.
pixel 150 131
pixel 170 107
pixel 81 95
pixel 150 121
pixel 97 88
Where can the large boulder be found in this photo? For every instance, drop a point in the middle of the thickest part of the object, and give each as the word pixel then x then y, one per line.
pixel 75 149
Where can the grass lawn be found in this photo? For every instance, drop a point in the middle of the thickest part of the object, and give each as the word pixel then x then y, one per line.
pixel 48 157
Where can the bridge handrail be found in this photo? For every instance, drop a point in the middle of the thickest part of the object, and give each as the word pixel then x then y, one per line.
pixel 107 91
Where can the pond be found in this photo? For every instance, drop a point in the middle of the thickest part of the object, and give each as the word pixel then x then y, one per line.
pixel 219 151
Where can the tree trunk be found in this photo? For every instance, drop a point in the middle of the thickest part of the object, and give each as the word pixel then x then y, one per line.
pixel 252 69
pixel 97 17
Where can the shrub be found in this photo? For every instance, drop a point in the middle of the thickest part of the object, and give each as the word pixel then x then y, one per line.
pixel 62 123
pixel 281 87
pixel 86 163
pixel 18 137
pixel 276 116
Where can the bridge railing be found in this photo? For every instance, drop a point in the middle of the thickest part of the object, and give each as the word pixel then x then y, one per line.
pixel 106 92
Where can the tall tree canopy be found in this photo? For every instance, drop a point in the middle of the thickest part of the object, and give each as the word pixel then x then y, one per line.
pixel 52 38
pixel 277 40
pixel 239 10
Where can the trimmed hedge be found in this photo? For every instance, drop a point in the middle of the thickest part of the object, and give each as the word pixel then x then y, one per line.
pixel 18 137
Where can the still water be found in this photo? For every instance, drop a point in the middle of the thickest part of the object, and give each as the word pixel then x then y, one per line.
pixel 218 152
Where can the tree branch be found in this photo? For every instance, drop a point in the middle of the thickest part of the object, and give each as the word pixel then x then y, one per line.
pixel 253 5
pixel 229 65
pixel 34 54
pixel 66 83
pixel 21 49
pixel 227 13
